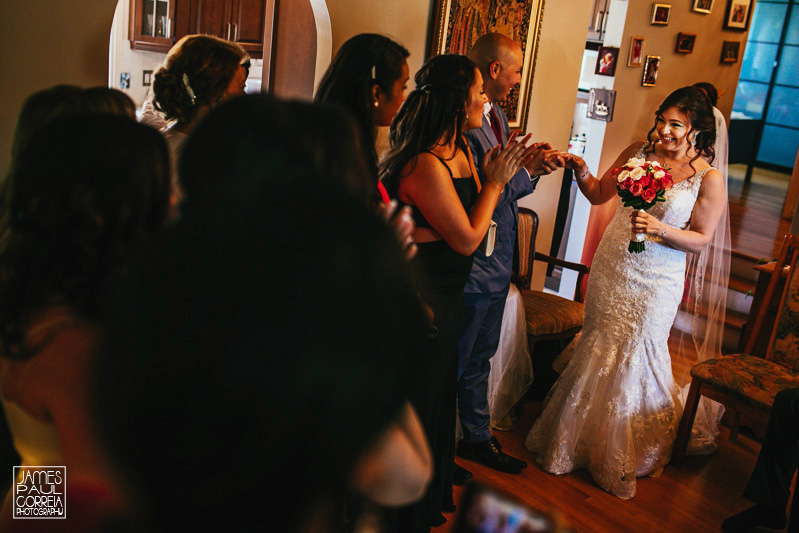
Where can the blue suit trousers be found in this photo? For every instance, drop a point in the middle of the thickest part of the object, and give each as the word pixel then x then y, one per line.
pixel 482 324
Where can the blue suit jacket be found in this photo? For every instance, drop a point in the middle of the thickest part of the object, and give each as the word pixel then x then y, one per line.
pixel 492 274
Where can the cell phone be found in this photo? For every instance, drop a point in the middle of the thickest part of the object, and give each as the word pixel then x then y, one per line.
pixel 490 239
pixel 486 510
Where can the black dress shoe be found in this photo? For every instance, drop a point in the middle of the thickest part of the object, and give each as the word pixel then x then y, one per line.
pixel 460 475
pixel 754 518
pixel 487 453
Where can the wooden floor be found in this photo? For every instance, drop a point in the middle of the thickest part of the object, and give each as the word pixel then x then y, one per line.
pixel 693 498
pixel 755 207
pixel 705 490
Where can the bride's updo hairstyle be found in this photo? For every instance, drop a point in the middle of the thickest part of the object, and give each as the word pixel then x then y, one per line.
pixel 433 112
pixel 196 72
pixel 694 103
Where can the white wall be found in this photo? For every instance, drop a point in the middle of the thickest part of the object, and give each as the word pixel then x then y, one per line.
pixel 563 32
pixel 124 59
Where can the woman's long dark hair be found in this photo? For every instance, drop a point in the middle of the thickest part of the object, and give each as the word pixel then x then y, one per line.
pixel 695 104
pixel 361 63
pixel 432 113
pixel 84 192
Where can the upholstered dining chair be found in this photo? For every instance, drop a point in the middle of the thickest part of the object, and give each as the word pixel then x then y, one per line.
pixel 548 316
pixel 747 383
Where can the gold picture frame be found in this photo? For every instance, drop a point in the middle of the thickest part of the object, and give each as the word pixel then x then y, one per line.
pixel 459 23
pixel 703 6
pixel 635 58
pixel 660 14
pixel 651 67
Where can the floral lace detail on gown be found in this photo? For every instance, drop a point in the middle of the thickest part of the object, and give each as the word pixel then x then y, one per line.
pixel 615 408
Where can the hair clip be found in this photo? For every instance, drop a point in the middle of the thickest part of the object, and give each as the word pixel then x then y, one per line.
pixel 374 72
pixel 189 90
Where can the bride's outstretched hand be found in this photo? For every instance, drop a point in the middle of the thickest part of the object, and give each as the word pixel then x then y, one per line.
pixel 577 164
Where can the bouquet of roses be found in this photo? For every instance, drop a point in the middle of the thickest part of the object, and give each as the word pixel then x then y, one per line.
pixel 641 184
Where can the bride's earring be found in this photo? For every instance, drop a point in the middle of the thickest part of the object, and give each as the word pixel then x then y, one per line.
pixel 693 141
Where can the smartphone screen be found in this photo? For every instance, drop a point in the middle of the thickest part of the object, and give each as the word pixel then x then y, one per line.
pixel 484 510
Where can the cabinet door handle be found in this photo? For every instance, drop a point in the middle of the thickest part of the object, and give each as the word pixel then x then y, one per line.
pixel 228 31
pixel 235 32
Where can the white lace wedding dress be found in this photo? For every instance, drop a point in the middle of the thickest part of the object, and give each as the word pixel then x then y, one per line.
pixel 615 409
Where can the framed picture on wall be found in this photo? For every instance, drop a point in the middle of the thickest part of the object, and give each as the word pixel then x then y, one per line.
pixel 685 43
pixel 636 56
pixel 459 23
pixel 738 14
pixel 606 61
pixel 729 51
pixel 660 14
pixel 651 66
pixel 703 6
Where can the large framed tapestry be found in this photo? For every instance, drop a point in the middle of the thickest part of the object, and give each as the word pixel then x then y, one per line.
pixel 459 23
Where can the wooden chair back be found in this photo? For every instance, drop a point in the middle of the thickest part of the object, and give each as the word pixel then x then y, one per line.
pixel 784 343
pixel 789 252
pixel 525 242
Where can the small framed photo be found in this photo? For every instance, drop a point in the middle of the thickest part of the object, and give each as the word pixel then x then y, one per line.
pixel 661 13
pixel 685 43
pixel 703 6
pixel 738 14
pixel 729 51
pixel 636 56
pixel 606 61
pixel 651 66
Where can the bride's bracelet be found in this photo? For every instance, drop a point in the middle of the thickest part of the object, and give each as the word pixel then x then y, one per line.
pixel 582 176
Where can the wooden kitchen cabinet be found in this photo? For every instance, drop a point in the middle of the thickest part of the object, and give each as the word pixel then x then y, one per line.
pixel 240 21
pixel 152 25
pixel 155 25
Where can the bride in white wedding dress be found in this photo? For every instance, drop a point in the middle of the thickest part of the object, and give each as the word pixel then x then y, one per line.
pixel 615 409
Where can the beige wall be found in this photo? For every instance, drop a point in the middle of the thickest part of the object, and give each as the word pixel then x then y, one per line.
pixel 405 21
pixel 44 43
pixel 635 105
pixel 552 104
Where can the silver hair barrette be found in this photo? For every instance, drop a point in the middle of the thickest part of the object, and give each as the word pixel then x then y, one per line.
pixel 189 90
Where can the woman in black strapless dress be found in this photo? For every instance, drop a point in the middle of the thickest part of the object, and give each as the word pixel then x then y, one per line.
pixel 429 167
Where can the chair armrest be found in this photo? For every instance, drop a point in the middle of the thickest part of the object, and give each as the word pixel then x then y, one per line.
pixel 522 282
pixel 579 267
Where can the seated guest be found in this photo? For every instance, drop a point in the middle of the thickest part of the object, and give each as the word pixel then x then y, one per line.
pixel 770 484
pixel 263 352
pixel 84 191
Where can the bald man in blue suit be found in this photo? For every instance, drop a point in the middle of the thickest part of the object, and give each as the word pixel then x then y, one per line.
pixel 500 62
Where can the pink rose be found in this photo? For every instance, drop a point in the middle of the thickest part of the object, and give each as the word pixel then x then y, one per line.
pixel 648 194
pixel 636 188
pixel 625 185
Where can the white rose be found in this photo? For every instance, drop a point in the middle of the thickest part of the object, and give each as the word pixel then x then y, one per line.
pixel 655 164
pixel 623 175
pixel 635 162
pixel 637 173
pixel 659 174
